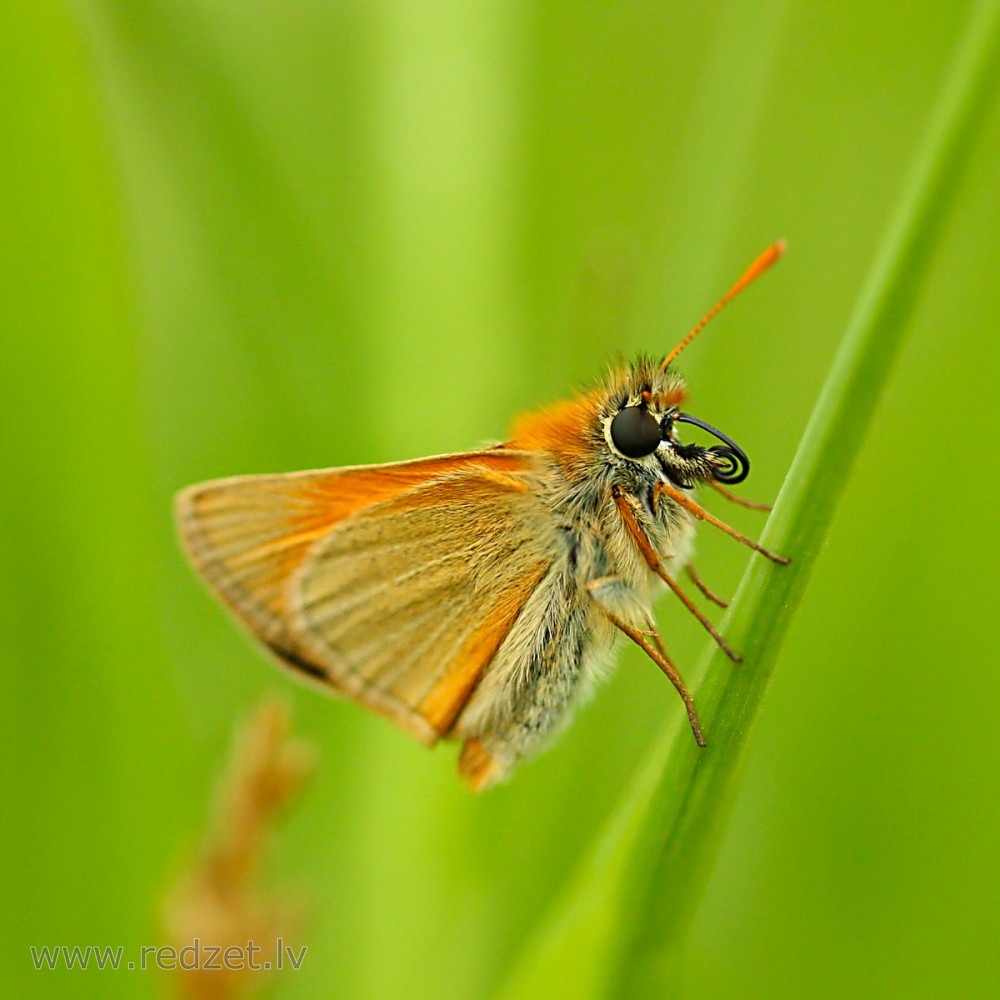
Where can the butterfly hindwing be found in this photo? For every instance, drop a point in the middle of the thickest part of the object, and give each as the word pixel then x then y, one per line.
pixel 406 603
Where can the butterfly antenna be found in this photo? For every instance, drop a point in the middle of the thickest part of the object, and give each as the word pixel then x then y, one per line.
pixel 769 257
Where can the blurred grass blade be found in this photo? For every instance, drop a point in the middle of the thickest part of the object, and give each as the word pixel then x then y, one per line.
pixel 615 927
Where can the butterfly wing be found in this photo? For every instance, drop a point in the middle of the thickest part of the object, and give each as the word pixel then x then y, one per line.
pixel 392 584
pixel 406 603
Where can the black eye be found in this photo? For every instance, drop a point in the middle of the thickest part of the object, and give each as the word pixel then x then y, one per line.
pixel 635 432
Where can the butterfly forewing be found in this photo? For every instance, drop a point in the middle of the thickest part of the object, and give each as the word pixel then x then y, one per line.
pixel 393 584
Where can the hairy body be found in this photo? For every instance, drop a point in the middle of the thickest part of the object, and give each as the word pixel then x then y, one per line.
pixel 561 643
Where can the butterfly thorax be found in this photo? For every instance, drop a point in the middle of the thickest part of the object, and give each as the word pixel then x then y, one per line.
pixel 572 441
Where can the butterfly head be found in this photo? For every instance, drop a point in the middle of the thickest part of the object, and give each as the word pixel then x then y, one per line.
pixel 641 417
pixel 631 423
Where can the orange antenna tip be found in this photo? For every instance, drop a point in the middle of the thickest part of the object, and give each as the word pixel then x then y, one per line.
pixel 763 262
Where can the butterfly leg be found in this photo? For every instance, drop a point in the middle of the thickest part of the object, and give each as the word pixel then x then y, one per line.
pixel 624 505
pixel 719 488
pixel 606 593
pixel 683 500
pixel 703 587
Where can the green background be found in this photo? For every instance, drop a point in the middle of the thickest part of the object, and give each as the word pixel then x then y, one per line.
pixel 249 237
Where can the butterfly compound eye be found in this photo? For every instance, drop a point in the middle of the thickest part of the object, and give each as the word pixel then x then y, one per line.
pixel 635 432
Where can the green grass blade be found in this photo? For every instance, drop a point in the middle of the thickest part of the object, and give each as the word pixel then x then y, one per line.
pixel 624 912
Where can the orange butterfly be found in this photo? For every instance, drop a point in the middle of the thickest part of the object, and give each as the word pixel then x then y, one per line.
pixel 472 596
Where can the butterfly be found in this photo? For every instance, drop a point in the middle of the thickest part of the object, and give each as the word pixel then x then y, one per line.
pixel 476 596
